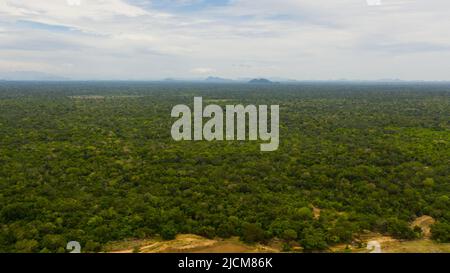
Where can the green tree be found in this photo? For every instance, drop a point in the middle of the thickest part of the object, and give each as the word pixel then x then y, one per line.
pixel 289 235
pixel 252 233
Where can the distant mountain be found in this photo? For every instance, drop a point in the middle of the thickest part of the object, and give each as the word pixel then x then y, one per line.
pixel 218 80
pixel 170 80
pixel 30 76
pixel 261 81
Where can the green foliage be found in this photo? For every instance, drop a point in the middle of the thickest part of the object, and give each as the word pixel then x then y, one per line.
pixel 342 231
pixel 289 235
pixel 168 233
pixel 27 246
pixel 441 232
pixel 53 241
pixel 313 239
pixel 252 233
pixel 95 163
pixel 400 229
pixel 303 213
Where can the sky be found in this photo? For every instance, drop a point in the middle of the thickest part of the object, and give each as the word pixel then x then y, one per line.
pixel 289 39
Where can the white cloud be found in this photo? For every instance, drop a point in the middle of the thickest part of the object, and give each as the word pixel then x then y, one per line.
pixel 304 39
pixel 202 70
pixel 73 2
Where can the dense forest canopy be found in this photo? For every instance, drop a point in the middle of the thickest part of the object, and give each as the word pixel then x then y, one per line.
pixel 94 162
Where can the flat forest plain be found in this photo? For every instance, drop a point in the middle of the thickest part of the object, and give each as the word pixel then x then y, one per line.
pixel 95 162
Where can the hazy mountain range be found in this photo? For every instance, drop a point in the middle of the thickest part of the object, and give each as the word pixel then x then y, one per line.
pixel 42 76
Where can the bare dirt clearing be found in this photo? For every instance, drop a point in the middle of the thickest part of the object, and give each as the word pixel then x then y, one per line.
pixel 424 222
pixel 188 243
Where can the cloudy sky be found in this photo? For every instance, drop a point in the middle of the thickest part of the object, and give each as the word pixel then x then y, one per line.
pixel 295 39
